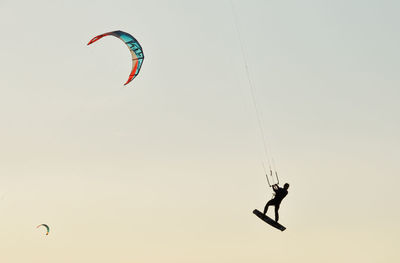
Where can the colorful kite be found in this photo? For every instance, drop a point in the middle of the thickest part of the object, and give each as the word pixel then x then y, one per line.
pixel 134 47
pixel 46 226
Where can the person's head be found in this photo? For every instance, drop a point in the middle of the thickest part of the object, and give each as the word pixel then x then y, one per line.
pixel 286 186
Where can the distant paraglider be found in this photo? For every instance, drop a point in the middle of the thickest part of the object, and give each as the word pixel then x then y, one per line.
pixel 47 228
pixel 134 47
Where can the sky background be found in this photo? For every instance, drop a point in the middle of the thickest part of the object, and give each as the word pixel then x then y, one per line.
pixel 169 168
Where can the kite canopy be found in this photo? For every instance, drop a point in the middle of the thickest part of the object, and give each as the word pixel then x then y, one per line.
pixel 134 47
pixel 46 226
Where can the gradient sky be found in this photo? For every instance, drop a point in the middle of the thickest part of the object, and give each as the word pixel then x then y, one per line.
pixel 168 169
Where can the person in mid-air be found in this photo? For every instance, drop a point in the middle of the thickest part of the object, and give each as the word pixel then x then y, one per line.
pixel 280 193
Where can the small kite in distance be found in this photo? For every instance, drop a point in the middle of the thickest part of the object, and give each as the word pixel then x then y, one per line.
pixel 134 47
pixel 47 228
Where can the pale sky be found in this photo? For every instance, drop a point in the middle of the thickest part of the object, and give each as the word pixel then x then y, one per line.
pixel 169 168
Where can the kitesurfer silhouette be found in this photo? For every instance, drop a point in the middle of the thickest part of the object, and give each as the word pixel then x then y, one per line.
pixel 280 193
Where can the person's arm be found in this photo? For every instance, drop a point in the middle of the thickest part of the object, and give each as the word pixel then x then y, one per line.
pixel 275 187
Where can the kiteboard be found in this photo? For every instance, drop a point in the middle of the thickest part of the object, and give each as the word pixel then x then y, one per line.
pixel 268 220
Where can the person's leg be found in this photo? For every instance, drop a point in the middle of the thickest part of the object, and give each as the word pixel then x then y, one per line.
pixel 276 213
pixel 270 202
